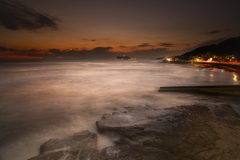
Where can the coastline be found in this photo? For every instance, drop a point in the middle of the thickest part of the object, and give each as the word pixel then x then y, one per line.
pixel 189 132
pixel 231 67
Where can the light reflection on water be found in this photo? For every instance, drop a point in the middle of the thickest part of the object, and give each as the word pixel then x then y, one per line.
pixel 47 100
pixel 235 78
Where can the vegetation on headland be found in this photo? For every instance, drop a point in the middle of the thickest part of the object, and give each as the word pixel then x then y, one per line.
pixel 226 51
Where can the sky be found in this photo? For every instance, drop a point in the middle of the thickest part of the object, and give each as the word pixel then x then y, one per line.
pixel 104 29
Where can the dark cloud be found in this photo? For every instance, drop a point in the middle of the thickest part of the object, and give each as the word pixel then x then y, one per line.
pixel 145 45
pixel 15 16
pixel 87 39
pixel 166 44
pixel 3 48
pixel 95 53
pixel 33 50
pixel 31 54
pixel 98 53
pixel 54 50
pixel 11 49
pixel 102 49
pixel 150 53
pixel 214 32
pixel 152 50
pixel 122 46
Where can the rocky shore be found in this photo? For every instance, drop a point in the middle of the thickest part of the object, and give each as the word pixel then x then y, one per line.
pixel 190 132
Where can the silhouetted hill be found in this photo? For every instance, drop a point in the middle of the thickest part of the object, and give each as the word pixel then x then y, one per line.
pixel 199 51
pixel 227 47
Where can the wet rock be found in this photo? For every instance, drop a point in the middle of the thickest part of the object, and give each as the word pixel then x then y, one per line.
pixel 193 132
pixel 128 152
pixel 64 155
pixel 134 124
pixel 82 140
pixel 185 132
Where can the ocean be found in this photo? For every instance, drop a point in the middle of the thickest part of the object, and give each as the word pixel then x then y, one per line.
pixel 44 100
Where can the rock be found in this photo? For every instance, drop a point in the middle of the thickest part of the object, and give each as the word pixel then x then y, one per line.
pixel 132 124
pixel 193 132
pixel 82 140
pixel 65 155
pixel 131 152
pixel 184 132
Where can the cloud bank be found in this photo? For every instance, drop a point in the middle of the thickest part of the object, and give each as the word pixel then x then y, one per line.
pixel 95 53
pixel 214 32
pixel 166 44
pixel 145 45
pixel 15 16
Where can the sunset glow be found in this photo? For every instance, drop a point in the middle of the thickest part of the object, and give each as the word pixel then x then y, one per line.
pixel 146 30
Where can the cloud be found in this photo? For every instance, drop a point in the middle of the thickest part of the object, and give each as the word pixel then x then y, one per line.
pixel 15 16
pixel 214 32
pixel 54 50
pixel 122 46
pixel 11 49
pixel 152 50
pixel 33 50
pixel 145 45
pixel 166 44
pixel 97 53
pixel 102 49
pixel 87 39
pixel 150 53
pixel 3 48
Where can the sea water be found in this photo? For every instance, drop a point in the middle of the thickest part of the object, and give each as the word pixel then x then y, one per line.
pixel 44 100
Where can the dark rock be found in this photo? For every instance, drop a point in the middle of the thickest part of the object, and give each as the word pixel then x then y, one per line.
pixel 66 155
pixel 185 132
pixel 194 132
pixel 82 140
pixel 127 152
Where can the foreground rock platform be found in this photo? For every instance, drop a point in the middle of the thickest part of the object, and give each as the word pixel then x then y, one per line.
pixel 191 132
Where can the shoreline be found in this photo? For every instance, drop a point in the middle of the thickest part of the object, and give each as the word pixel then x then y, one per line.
pixel 231 67
pixel 190 132
pixel 234 68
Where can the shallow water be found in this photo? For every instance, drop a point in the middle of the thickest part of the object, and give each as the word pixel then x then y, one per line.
pixel 44 100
